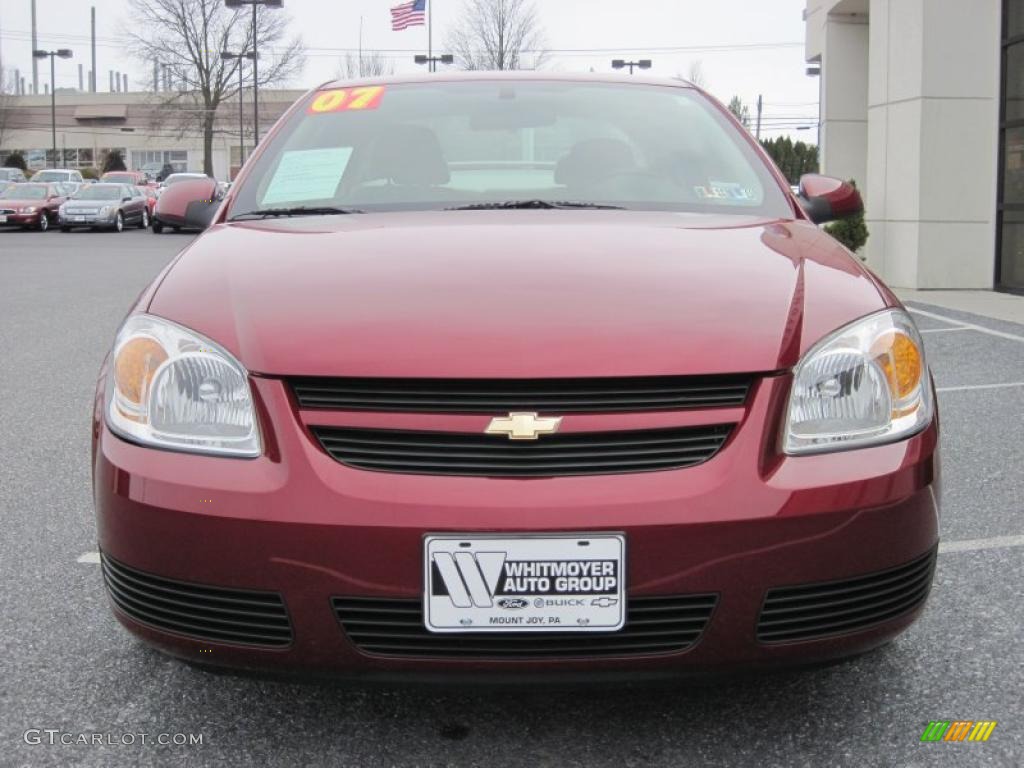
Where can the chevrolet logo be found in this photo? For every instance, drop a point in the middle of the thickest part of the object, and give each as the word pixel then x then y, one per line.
pixel 523 426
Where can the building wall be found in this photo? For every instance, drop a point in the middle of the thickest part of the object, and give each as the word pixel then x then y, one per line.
pixel 83 142
pixel 929 148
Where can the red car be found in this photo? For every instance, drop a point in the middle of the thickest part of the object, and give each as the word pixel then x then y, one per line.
pixel 30 205
pixel 497 375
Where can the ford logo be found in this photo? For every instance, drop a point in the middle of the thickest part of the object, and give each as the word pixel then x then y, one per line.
pixel 513 603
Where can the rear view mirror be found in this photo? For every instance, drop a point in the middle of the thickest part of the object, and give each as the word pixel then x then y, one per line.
pixel 826 199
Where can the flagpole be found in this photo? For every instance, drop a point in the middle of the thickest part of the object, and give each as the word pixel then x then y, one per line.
pixel 430 34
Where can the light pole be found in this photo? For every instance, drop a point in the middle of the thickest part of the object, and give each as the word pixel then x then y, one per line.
pixel 433 61
pixel 227 56
pixel 64 53
pixel 255 54
pixel 622 64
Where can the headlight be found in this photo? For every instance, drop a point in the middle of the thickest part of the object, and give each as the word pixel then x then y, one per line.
pixel 29 209
pixel 105 210
pixel 863 385
pixel 171 388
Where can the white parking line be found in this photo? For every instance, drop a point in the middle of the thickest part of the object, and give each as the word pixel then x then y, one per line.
pixel 972 326
pixel 968 387
pixel 944 330
pixel 89 557
pixel 974 545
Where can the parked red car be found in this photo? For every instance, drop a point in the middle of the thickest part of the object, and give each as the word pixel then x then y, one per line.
pixel 30 205
pixel 508 374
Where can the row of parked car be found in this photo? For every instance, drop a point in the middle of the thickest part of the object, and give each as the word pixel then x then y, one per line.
pixel 62 198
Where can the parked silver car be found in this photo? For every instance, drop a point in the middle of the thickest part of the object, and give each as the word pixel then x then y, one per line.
pixel 112 206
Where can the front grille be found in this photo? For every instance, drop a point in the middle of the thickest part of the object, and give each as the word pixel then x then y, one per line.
pixel 654 625
pixel 840 607
pixel 581 453
pixel 590 395
pixel 208 613
pixel 7 211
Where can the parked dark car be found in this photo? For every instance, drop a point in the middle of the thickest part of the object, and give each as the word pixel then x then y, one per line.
pixel 110 206
pixel 30 205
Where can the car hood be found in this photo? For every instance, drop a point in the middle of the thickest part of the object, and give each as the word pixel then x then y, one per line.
pixel 10 203
pixel 516 293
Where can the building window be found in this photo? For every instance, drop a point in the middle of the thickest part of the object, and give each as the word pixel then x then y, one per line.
pixel 158 158
pixel 1010 215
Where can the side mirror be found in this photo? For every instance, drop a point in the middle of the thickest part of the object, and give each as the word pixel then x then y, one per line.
pixel 826 199
pixel 126 199
pixel 198 198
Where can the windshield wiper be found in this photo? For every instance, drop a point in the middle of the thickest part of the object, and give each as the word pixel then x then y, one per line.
pixel 319 210
pixel 535 204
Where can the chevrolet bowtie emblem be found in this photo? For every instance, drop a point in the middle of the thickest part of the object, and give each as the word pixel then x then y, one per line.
pixel 523 426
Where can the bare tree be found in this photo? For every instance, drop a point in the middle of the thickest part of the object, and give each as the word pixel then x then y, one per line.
pixel 695 74
pixel 497 34
pixel 368 64
pixel 188 36
pixel 740 110
pixel 8 91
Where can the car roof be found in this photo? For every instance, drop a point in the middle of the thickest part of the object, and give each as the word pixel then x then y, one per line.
pixel 455 76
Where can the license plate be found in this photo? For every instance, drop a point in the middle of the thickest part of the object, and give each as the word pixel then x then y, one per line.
pixel 77 218
pixel 525 583
pixel 3 218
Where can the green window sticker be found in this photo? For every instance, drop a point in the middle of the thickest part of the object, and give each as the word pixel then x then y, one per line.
pixel 307 174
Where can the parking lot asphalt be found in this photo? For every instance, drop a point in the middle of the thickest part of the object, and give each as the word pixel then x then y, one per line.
pixel 67 665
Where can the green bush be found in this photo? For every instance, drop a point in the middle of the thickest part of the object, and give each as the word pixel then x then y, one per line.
pixel 851 232
pixel 16 160
pixel 90 173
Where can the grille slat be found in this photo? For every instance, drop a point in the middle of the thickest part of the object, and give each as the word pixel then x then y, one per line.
pixel 820 610
pixel 453 453
pixel 209 613
pixel 593 395
pixel 395 627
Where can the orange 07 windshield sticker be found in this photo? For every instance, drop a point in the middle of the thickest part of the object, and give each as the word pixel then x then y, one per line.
pixel 347 100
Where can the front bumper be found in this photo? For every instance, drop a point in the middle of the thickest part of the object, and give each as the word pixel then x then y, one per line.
pixel 297 524
pixel 88 220
pixel 20 219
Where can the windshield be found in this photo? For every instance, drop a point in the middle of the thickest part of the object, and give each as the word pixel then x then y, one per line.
pixel 119 178
pixel 456 144
pixel 101 192
pixel 176 177
pixel 25 192
pixel 50 176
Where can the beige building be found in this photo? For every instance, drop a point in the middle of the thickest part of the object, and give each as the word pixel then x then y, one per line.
pixel 89 125
pixel 922 103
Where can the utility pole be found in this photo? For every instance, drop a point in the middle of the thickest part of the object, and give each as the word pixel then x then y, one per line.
pixel 757 135
pixel 92 15
pixel 35 47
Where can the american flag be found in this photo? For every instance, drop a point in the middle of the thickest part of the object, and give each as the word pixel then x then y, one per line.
pixel 409 14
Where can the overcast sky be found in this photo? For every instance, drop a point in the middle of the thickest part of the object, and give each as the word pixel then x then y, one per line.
pixel 746 47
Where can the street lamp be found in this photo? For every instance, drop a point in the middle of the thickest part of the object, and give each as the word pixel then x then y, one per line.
pixel 236 4
pixel 64 53
pixel 433 61
pixel 227 56
pixel 622 64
